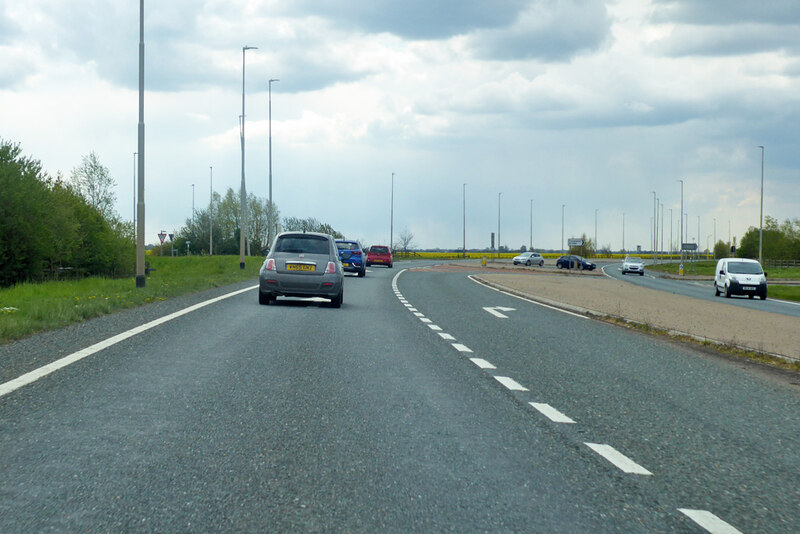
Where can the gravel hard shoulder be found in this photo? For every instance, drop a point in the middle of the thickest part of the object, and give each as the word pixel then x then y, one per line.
pixel 753 330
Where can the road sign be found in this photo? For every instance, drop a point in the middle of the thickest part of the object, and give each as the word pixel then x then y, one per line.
pixel 495 310
pixel 689 246
pixel 575 242
pixel 171 236
pixel 161 236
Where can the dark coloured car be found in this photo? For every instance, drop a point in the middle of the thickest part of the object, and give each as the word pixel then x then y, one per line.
pixel 574 262
pixel 379 255
pixel 352 256
pixel 302 264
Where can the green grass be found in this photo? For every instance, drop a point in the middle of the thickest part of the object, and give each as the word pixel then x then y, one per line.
pixel 706 268
pixel 35 307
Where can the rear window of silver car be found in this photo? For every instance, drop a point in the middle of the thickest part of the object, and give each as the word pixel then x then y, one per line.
pixel 303 244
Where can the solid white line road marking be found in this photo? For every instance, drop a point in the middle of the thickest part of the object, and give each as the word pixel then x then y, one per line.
pixel 36 374
pixel 495 310
pixel 461 348
pixel 435 327
pixel 551 413
pixel 443 335
pixel 709 521
pixel 618 459
pixel 483 364
pixel 510 383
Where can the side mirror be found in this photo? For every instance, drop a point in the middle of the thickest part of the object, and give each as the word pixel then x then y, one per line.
pixel 765 275
pixel 722 272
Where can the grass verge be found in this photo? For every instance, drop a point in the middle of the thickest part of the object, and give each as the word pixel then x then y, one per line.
pixel 29 308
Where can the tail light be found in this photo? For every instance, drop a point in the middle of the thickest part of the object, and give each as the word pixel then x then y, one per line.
pixel 331 269
pixel 270 264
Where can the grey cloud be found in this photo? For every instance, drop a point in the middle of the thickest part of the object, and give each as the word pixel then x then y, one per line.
pixel 550 31
pixel 730 40
pixel 724 12
pixel 414 19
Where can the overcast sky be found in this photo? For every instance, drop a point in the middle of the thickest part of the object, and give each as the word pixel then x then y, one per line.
pixel 588 104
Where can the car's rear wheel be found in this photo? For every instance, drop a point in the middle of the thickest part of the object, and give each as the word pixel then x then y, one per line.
pixel 264 298
pixel 362 273
pixel 528 263
pixel 390 265
pixel 336 302
pixel 541 263
pixel 764 296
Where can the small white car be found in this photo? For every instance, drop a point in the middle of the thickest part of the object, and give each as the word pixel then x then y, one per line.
pixel 529 258
pixel 740 276
pixel 633 264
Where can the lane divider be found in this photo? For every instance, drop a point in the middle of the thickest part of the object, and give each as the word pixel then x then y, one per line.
pixel 705 519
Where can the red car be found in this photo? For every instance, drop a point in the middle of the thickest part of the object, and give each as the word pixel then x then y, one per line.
pixel 379 254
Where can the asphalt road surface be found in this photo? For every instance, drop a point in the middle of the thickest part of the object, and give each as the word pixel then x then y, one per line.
pixel 427 403
pixel 701 289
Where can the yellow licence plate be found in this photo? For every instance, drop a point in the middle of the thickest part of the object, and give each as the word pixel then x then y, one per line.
pixel 300 267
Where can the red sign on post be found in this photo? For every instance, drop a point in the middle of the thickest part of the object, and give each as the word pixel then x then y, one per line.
pixel 161 236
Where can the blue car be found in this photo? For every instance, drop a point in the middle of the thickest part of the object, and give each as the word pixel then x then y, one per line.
pixel 574 262
pixel 352 255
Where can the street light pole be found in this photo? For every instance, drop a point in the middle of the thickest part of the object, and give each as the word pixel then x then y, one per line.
pixel 654 237
pixel 498 225
pixel 761 211
pixel 270 215
pixel 243 192
pixel 671 248
pixel 211 211
pixel 562 228
pixel 464 223
pixel 595 232
pixel 140 272
pixel 193 203
pixel 623 232
pixel 391 217
pixel 134 192
pixel 531 243
pixel 680 241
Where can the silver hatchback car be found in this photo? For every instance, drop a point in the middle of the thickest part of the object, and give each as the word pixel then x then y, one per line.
pixel 302 264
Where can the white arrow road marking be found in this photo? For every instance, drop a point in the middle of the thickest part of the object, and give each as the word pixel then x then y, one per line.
pixel 495 310
pixel 709 521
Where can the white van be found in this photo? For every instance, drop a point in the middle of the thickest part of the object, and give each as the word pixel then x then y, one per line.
pixel 740 276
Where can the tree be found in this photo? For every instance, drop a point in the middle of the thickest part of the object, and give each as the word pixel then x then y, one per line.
pixel 405 241
pixel 93 182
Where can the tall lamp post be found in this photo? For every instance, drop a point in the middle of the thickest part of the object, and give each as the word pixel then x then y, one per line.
pixel 134 191
pixel 498 225
pixel 211 210
pixel 680 241
pixel 243 192
pixel 531 243
pixel 140 273
pixel 623 232
pixel 464 222
pixel 269 217
pixel 595 232
pixel 761 211
pixel 192 203
pixel 655 223
pixel 391 217
pixel 562 228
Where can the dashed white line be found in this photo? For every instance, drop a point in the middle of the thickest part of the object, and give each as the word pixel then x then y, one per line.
pixel 412 308
pixel 551 413
pixel 510 383
pixel 709 521
pixel 483 364
pixel 442 334
pixel 437 328
pixel 425 320
pixel 418 314
pixel 618 459
pixel 461 348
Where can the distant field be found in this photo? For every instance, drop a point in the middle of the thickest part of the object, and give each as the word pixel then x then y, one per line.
pixel 34 307
pixel 706 268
